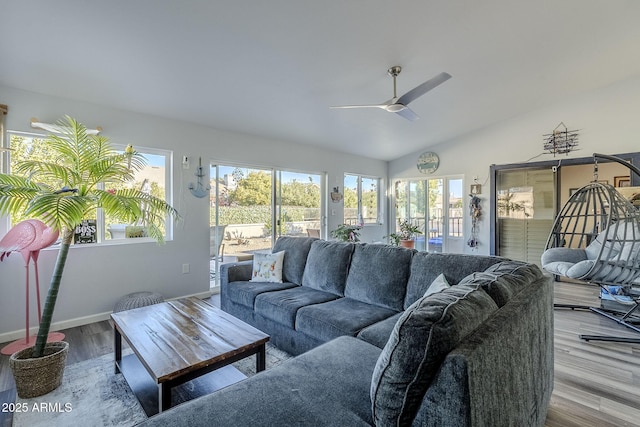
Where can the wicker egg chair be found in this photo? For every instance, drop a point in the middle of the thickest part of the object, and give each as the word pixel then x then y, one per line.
pixel 596 239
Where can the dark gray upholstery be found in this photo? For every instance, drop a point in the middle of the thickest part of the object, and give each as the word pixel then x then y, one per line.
pixel 344 316
pixel 378 275
pixel 245 293
pixel 500 374
pixel 425 267
pixel 282 306
pixel 327 266
pixel 323 387
pixel 427 331
pixel 295 250
pixel 504 280
pixel 378 334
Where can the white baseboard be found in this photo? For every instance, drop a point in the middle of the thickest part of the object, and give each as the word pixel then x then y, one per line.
pixel 78 321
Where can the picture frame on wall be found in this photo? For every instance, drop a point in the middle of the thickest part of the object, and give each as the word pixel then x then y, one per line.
pixel 622 181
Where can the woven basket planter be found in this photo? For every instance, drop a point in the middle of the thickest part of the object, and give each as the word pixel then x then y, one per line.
pixel 37 376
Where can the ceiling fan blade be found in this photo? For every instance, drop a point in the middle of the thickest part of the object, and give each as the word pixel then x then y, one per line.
pixel 425 87
pixel 408 114
pixel 361 106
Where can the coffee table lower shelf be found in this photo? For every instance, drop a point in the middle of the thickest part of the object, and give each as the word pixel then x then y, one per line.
pixel 146 389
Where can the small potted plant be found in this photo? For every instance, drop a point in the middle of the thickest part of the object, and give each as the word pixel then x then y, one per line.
pixel 405 237
pixel 347 233
pixel 80 164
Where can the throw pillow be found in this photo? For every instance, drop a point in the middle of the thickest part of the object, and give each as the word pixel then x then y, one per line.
pixel 421 339
pixel 439 283
pixel 267 267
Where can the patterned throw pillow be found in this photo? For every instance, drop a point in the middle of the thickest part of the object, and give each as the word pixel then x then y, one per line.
pixel 267 267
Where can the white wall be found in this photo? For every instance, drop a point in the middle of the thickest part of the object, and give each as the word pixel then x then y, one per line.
pixel 96 277
pixel 608 123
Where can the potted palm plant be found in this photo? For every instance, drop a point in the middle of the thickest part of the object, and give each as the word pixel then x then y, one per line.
pixel 82 163
pixel 405 237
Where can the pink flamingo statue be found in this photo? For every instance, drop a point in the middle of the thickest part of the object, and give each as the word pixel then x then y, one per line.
pixel 28 237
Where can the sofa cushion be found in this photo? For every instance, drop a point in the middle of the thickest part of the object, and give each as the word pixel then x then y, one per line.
pixel 425 267
pixel 282 306
pixel 504 280
pixel 245 292
pixel 267 267
pixel 378 275
pixel 327 266
pixel 378 334
pixel 428 330
pixel 344 316
pixel 295 257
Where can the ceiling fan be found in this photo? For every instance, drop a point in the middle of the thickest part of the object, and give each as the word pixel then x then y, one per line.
pixel 400 105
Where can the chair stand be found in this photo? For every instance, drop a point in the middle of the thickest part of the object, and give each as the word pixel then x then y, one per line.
pixel 609 315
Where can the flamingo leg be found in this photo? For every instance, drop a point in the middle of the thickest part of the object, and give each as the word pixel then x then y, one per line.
pixel 34 256
pixel 26 338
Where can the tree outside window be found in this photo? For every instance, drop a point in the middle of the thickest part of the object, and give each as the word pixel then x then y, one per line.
pixel 361 199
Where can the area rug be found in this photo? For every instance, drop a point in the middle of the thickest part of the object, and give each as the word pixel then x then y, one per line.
pixel 91 394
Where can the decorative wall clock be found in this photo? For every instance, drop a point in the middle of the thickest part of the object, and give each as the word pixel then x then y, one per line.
pixel 428 162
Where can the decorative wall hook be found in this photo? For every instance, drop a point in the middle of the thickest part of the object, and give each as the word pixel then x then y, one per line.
pixel 336 196
pixel 198 189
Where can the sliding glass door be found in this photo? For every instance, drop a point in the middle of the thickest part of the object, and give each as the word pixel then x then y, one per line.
pixel 525 207
pixel 435 206
pixel 250 207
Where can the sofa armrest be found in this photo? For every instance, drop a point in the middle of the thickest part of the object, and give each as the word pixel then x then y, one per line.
pixel 235 272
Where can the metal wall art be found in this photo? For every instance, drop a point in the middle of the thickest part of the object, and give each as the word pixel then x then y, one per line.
pixel 561 140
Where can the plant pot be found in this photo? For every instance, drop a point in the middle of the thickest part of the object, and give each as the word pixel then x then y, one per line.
pixel 410 244
pixel 117 231
pixel 40 375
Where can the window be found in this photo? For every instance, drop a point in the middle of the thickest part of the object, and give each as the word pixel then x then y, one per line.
pixel 361 200
pixel 154 178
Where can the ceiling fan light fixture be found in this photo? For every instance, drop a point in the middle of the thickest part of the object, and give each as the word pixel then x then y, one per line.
pixel 394 108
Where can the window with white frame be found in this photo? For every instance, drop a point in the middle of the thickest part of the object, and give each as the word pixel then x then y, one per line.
pixel 153 178
pixel 361 199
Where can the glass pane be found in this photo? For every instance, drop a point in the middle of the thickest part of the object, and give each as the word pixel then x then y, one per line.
pixel 525 211
pixel 351 200
pixel 26 147
pixel 455 208
pixel 370 200
pixel 298 210
pixel 454 243
pixel 418 210
pixel 435 227
pixel 243 204
pixel 402 200
pixel 150 180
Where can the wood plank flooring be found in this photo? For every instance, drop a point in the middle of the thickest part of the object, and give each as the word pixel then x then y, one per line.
pixel 596 383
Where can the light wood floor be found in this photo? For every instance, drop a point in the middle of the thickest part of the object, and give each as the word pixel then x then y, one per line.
pixel 596 383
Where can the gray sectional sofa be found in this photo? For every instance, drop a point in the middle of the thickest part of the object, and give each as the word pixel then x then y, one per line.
pixel 374 350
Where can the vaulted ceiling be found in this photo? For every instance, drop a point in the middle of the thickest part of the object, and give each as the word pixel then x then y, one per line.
pixel 273 68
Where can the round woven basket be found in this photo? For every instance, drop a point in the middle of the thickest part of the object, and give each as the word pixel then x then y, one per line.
pixel 40 375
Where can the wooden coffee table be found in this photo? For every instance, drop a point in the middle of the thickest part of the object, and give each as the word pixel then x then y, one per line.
pixel 178 341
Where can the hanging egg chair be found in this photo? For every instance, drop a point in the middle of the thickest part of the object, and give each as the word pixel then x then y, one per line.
pixel 596 239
